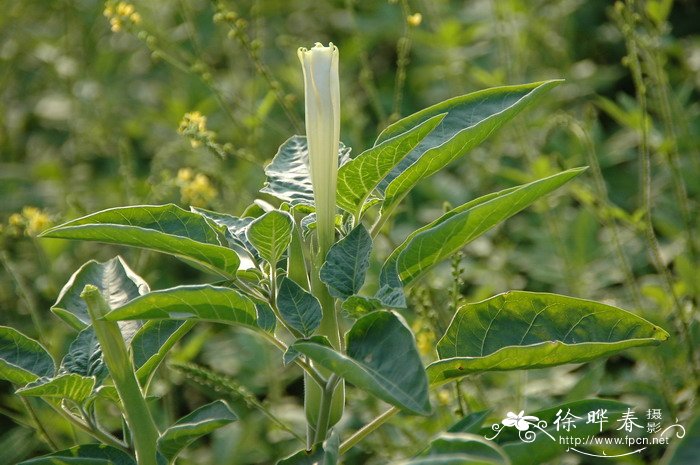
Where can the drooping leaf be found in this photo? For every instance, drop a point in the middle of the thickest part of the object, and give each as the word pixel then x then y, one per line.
pixel 271 234
pixel 84 357
pixel 235 229
pixel 66 386
pixel 198 302
pixel 471 445
pixel 524 330
pixel 288 175
pixel 381 359
pixel 357 306
pixel 361 175
pixel 470 120
pixel 546 444
pixel 87 454
pixel 22 359
pixel 470 423
pixel 116 281
pixel 431 244
pixel 153 341
pixel 298 308
pixel 202 421
pixel 346 263
pixel 165 228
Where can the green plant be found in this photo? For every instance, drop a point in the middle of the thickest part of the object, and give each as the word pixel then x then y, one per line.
pixel 294 273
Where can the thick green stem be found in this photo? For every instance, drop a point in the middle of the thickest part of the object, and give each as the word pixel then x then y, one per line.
pixel 138 416
pixel 367 429
pixel 325 409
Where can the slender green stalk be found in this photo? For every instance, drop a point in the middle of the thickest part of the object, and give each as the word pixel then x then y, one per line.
pixel 82 425
pixel 325 410
pixel 138 416
pixel 39 425
pixel 360 434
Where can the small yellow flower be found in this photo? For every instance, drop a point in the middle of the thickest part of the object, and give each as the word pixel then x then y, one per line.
pixel 444 397
pixel 198 192
pixel 425 341
pixel 116 24
pixel 16 220
pixel 184 175
pixel 125 9
pixel 415 19
pixel 135 18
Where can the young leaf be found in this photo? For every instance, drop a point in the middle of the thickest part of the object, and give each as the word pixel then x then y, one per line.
pixel 84 357
pixel 288 176
pixel 153 341
pixel 66 386
pixel 87 454
pixel 22 359
pixel 271 234
pixel 381 359
pixel 438 240
pixel 470 120
pixel 165 228
pixel 266 319
pixel 361 175
pixel 198 302
pixel 346 263
pixel 524 330
pixel 298 308
pixel 115 280
pixel 202 421
pixel 357 306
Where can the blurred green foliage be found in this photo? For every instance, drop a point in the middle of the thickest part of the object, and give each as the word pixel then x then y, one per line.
pixel 91 103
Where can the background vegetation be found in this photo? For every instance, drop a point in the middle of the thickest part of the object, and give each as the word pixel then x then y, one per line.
pixel 93 99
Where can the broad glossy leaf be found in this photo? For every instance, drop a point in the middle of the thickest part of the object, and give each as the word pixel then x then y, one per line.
pixel 470 120
pixel 298 308
pixel 153 341
pixel 66 386
pixel 22 359
pixel 381 359
pixel 202 421
pixel 271 234
pixel 84 357
pixel 346 263
pixel 438 240
pixel 545 444
pixel 361 175
pixel 165 228
pixel 524 330
pixel 198 302
pixel 87 454
pixel 116 281
pixel 288 176
pixel 471 445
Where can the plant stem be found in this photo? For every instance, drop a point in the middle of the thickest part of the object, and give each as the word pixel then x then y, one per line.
pixel 325 411
pixel 360 434
pixel 99 435
pixel 138 416
pixel 38 423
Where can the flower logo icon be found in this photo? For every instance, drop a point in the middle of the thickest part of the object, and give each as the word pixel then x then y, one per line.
pixel 520 421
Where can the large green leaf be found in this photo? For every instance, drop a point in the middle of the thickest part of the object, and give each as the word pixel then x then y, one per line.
pixel 524 330
pixel 202 421
pixel 165 228
pixel 271 234
pixel 346 263
pixel 470 120
pixel 84 357
pixel 544 440
pixel 298 308
pixel 87 454
pixel 22 359
pixel 198 302
pixel 381 359
pixel 66 386
pixel 115 280
pixel 153 341
pixel 438 240
pixel 288 175
pixel 361 175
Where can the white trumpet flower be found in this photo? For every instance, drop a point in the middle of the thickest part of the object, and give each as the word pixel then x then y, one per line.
pixel 322 99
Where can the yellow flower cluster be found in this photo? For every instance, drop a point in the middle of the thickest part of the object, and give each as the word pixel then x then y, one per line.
pixel 195 189
pixel 414 20
pixel 194 126
pixel 31 221
pixel 425 337
pixel 120 14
